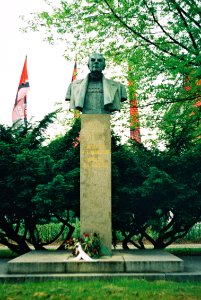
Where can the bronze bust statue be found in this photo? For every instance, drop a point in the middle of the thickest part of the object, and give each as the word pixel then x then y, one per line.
pixel 96 94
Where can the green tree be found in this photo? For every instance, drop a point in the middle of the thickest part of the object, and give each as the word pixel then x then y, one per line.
pixel 34 185
pixel 156 195
pixel 159 40
pixel 61 194
pixel 181 128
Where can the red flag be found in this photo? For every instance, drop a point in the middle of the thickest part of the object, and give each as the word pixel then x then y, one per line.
pixel 20 107
pixel 134 122
pixel 74 76
pixel 187 86
pixel 134 115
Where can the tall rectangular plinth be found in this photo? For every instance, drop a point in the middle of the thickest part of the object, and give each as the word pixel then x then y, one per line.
pixel 95 177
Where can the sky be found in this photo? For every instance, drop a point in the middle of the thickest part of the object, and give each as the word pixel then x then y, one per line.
pixel 49 73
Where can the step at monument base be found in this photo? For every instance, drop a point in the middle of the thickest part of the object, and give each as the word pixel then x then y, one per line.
pixel 132 261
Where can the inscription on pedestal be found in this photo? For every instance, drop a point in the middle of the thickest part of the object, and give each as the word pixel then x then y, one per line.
pixel 95 156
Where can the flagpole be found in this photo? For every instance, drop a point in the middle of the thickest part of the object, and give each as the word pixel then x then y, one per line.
pixel 25 103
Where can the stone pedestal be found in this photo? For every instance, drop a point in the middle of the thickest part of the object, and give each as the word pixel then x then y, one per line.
pixel 95 176
pixel 49 264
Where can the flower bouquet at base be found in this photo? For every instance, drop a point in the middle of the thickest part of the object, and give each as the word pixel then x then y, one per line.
pixel 90 243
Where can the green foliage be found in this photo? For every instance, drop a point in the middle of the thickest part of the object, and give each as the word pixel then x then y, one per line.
pixel 158 40
pixel 194 234
pixel 36 184
pixel 100 289
pixel 186 251
pixel 155 195
pixel 7 253
pixel 47 232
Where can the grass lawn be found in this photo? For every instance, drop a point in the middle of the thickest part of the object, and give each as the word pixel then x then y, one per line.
pixel 7 253
pixel 185 251
pixel 122 289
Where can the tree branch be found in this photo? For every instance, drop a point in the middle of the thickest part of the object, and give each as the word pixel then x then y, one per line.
pixel 164 31
pixel 167 102
pixel 185 13
pixel 141 36
pixel 56 237
pixel 181 12
pixel 70 232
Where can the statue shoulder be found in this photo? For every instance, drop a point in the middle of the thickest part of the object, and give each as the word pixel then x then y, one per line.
pixel 119 87
pixel 113 82
pixel 109 80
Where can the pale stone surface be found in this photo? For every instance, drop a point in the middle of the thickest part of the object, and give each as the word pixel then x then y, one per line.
pixel 152 261
pixel 137 261
pixel 95 176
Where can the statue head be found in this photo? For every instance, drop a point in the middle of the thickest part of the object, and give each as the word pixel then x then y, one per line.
pixel 96 62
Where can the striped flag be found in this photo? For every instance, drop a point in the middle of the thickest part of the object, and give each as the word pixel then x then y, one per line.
pixel 134 115
pixel 134 122
pixel 20 107
pixel 74 77
pixel 187 86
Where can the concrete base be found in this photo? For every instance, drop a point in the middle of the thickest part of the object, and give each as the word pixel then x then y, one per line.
pixel 60 262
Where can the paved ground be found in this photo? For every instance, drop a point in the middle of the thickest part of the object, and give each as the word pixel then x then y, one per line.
pixel 192 264
pixel 3 265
